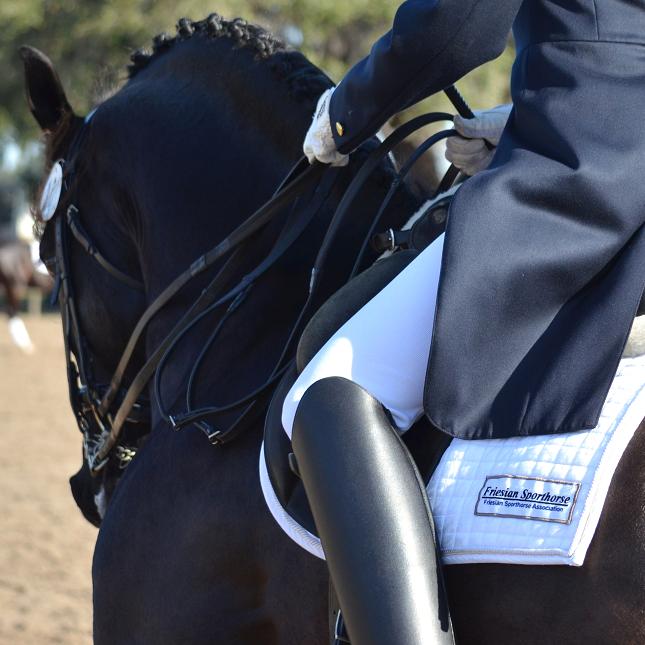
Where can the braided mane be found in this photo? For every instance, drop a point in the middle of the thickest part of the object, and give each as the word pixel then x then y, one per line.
pixel 306 81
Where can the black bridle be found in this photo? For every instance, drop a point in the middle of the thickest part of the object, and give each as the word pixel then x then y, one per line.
pixel 103 412
pixel 84 392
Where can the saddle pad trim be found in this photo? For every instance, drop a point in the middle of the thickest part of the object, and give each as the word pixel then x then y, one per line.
pixel 297 533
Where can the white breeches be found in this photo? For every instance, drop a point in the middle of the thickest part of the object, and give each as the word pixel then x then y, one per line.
pixel 384 347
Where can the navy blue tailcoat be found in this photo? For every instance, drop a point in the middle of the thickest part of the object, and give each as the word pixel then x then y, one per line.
pixel 544 256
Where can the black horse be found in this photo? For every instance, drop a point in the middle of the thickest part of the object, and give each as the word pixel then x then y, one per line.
pixel 198 138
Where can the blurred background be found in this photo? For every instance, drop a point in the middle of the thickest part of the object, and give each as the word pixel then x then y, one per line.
pixel 45 545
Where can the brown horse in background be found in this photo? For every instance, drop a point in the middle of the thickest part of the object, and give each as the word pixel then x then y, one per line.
pixel 17 272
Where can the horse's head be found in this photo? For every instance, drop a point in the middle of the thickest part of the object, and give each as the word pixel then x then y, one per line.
pixel 107 308
pixel 98 186
pixel 197 139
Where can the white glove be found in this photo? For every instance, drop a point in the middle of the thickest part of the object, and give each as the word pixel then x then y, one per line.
pixel 319 143
pixel 469 152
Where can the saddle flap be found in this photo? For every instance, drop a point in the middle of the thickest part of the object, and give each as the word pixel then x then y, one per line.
pixel 425 443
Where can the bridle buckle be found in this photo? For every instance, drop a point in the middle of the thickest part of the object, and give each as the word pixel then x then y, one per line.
pixel 212 434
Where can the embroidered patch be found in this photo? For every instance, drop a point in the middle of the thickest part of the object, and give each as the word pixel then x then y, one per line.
pixel 528 498
pixel 51 192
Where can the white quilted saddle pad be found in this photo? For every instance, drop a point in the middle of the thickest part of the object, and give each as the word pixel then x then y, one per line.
pixel 525 500
pixel 535 500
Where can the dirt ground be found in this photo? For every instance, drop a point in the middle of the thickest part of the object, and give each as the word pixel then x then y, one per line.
pixel 45 544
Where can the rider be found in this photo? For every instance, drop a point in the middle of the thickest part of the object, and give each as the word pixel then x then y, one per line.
pixel 525 303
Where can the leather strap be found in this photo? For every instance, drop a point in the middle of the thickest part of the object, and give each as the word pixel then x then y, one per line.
pixel 89 247
pixel 402 174
pixel 283 244
pixel 372 162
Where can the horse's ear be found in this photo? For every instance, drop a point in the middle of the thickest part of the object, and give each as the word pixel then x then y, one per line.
pixel 45 94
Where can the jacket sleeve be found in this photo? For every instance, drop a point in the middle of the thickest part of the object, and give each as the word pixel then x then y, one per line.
pixel 432 44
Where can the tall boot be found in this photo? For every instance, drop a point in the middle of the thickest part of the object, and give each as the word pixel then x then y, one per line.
pixel 373 518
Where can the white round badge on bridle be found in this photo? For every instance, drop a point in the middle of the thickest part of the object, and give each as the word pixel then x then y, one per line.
pixel 51 192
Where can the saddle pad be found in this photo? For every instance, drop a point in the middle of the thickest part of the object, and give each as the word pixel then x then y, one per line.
pixel 524 500
pixel 534 500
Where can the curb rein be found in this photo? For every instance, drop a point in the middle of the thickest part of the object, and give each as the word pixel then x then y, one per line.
pixel 93 405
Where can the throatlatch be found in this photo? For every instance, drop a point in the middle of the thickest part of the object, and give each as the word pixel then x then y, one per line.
pixel 373 518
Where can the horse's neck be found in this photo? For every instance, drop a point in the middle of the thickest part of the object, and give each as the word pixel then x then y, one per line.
pixel 210 166
pixel 221 157
pixel 221 80
pixel 221 126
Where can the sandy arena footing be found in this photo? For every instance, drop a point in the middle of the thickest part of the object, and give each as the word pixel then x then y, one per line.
pixel 45 544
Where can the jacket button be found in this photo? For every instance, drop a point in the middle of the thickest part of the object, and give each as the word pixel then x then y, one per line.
pixel 340 129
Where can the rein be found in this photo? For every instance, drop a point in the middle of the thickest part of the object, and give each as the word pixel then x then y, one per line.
pixel 199 417
pixel 91 408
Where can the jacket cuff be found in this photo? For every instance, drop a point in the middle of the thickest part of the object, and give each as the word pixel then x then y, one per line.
pixel 345 140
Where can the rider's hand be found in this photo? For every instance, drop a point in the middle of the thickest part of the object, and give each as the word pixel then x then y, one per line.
pixel 319 143
pixel 469 151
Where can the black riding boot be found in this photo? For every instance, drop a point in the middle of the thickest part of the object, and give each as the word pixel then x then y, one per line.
pixel 373 518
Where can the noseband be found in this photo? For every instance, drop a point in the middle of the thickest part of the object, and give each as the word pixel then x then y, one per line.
pixel 103 412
